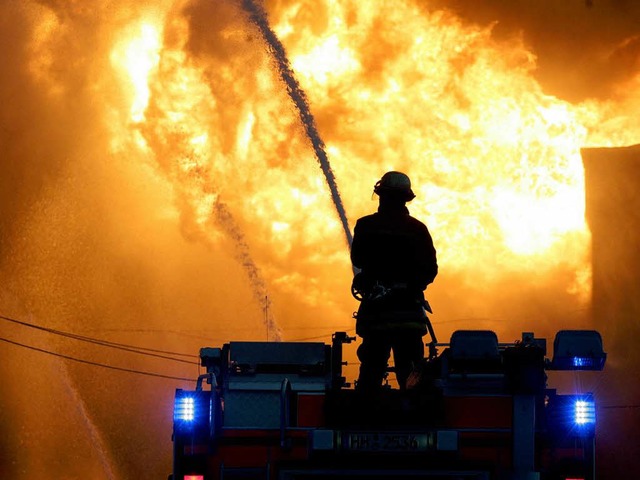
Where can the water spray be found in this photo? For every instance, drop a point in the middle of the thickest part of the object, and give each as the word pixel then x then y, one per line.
pixel 258 16
pixel 94 434
pixel 241 252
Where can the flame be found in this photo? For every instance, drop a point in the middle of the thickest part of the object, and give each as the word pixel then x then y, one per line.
pixel 496 162
pixel 326 59
pixel 138 55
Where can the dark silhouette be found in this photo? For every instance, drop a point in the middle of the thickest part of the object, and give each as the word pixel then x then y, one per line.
pixel 397 260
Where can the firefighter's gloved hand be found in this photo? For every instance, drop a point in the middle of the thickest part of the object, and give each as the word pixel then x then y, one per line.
pixel 359 286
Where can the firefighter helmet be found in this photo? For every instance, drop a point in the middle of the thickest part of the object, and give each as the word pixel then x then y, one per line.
pixel 395 183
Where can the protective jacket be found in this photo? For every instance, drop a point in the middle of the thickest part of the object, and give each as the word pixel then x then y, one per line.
pixel 397 259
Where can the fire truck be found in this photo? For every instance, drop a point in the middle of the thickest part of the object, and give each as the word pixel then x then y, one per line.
pixel 475 409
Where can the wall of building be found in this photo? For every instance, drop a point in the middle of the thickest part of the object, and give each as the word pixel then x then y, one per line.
pixel 612 189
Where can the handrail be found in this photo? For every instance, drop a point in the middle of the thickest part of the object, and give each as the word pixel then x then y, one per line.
pixel 285 390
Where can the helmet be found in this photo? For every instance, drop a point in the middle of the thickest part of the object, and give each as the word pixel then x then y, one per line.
pixel 395 183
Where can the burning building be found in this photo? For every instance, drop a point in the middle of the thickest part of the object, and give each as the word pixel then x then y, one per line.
pixel 611 187
pixel 612 177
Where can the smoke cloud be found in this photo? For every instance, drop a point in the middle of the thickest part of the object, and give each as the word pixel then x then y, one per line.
pixel 583 49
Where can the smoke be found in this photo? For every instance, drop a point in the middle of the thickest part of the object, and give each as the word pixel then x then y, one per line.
pixel 583 49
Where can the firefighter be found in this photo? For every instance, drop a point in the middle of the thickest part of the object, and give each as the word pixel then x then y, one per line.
pixel 397 260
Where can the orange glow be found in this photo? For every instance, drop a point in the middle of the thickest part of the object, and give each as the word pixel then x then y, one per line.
pixel 495 160
pixel 42 56
pixel 158 187
pixel 138 55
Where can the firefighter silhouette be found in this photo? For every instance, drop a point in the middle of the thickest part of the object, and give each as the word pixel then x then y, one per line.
pixel 397 260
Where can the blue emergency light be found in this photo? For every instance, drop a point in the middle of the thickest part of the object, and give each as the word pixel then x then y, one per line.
pixel 572 415
pixel 578 350
pixel 584 412
pixel 191 410
pixel 184 409
pixel 584 362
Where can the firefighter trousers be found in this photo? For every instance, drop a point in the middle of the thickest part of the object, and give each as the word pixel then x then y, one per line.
pixel 374 353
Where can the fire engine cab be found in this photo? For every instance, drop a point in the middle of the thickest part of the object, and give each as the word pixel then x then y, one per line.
pixel 475 409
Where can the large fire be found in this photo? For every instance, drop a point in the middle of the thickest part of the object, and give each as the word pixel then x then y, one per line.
pixel 177 170
pixel 495 159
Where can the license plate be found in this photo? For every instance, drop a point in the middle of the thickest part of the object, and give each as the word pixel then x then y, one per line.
pixel 388 442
